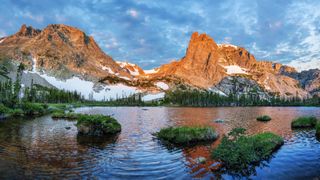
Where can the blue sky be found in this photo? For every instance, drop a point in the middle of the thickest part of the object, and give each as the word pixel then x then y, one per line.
pixel 150 33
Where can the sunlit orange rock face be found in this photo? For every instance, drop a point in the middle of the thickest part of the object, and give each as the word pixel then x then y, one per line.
pixel 205 62
pixel 64 51
pixel 59 48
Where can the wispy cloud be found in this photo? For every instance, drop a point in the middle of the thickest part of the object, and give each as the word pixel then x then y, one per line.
pixel 151 33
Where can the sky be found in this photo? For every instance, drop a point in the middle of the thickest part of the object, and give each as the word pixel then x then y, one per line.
pixel 150 33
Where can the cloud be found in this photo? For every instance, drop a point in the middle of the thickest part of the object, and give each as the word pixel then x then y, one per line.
pixel 151 33
pixel 133 13
pixel 306 18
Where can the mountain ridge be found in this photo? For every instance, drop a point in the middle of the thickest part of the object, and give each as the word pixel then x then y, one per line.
pixel 64 52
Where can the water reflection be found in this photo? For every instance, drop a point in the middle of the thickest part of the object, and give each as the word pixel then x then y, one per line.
pixel 44 147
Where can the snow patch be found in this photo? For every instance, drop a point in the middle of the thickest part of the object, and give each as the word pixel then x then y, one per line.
pixel 107 69
pixel 135 72
pixel 34 64
pixel 151 71
pixel 162 85
pixel 151 97
pixel 126 78
pixel 215 90
pixel 2 40
pixel 228 45
pixel 235 69
pixel 124 64
pixel 86 88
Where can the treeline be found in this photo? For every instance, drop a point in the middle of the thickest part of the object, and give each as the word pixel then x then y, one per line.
pixel 131 100
pixel 12 93
pixel 211 99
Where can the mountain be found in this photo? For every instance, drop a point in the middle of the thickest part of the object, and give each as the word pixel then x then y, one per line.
pixel 61 51
pixel 206 65
pixel 65 57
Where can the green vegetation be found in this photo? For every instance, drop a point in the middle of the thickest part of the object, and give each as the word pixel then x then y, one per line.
pixel 91 125
pixel 34 108
pixel 16 100
pixel 239 152
pixel 30 109
pixel 318 130
pixel 62 115
pixel 97 125
pixel 203 98
pixel 187 135
pixel 264 118
pixel 304 122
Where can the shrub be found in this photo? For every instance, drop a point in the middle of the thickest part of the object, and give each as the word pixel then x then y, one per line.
pixel 16 112
pixel 97 125
pixel 33 109
pixel 4 109
pixel 264 118
pixel 63 115
pixel 187 135
pixel 304 122
pixel 242 152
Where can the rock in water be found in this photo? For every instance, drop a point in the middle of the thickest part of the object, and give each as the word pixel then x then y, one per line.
pixel 200 160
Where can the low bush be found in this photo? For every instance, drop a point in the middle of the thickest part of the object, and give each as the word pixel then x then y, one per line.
pixel 62 115
pixel 240 152
pixel 97 125
pixel 264 118
pixel 304 122
pixel 187 135
pixel 16 112
pixel 4 109
pixel 34 109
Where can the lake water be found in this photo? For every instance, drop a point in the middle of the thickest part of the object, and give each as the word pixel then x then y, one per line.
pixel 43 148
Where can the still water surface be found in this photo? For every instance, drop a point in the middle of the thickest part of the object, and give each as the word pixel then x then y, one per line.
pixel 43 148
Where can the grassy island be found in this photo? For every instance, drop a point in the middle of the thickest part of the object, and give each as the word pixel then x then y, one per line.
pixel 97 125
pixel 264 118
pixel 187 135
pixel 91 125
pixel 238 151
pixel 304 122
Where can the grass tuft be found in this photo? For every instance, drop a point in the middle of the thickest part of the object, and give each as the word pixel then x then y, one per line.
pixel 241 152
pixel 304 122
pixel 187 135
pixel 92 125
pixel 264 118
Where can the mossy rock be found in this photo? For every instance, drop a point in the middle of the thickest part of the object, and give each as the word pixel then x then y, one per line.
pixel 239 153
pixel 187 135
pixel 304 122
pixel 97 125
pixel 264 118
pixel 91 125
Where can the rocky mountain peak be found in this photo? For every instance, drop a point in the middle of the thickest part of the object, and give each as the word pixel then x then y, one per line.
pixel 200 45
pixel 60 33
pixel 28 31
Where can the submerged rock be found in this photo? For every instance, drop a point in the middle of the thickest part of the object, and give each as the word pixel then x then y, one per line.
pixel 200 160
pixel 219 121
